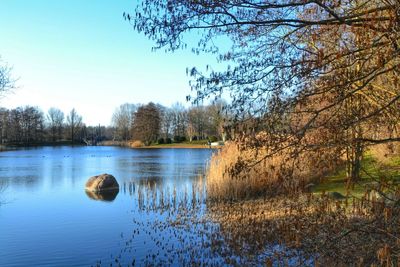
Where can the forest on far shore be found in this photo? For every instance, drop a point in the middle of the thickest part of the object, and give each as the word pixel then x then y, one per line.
pixel 148 123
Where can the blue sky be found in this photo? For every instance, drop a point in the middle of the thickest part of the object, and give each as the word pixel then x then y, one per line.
pixel 82 54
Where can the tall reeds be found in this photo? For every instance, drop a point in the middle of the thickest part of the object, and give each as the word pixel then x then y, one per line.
pixel 241 173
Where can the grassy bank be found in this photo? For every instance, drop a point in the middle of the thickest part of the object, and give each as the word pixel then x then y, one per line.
pixel 373 171
pixel 180 145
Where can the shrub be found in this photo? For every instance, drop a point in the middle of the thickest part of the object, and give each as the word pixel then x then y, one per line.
pixel 168 140
pixel 161 141
pixel 136 144
pixel 213 138
pixel 179 139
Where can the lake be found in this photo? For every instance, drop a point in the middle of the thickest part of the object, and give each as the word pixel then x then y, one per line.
pixel 159 217
pixel 47 219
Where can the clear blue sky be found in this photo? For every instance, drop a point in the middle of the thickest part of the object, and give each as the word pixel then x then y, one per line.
pixel 82 54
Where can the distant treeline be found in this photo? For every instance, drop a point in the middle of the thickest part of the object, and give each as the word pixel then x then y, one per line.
pixel 154 123
pixel 30 126
pixel 149 123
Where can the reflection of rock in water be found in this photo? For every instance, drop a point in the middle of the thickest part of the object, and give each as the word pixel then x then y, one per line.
pixel 108 195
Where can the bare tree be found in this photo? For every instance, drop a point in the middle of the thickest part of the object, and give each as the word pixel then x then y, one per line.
pixel 55 118
pixel 197 118
pixel 179 119
pixel 14 134
pixel 6 81
pixel 190 131
pixel 6 84
pixel 32 124
pixel 147 123
pixel 122 120
pixel 4 125
pixel 74 123
pixel 216 118
pixel 328 66
pixel 167 120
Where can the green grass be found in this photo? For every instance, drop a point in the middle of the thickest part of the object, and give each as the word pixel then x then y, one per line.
pixel 372 171
pixel 186 144
pixel 196 142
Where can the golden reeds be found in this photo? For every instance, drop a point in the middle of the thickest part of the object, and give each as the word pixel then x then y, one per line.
pixel 284 172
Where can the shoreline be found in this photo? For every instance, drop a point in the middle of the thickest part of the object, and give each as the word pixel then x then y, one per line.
pixel 172 147
pixel 169 146
pixel 194 146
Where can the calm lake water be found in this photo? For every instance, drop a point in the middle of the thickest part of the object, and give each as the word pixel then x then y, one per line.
pixel 49 220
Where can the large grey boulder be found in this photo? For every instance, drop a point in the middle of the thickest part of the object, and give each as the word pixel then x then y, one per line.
pixel 101 183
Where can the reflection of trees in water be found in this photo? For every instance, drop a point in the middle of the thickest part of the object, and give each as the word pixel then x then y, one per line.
pixel 57 174
pixel 155 166
pixel 3 187
pixel 152 182
pixel 28 181
pixel 143 165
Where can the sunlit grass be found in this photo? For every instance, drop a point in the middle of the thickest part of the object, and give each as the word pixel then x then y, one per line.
pixel 373 171
pixel 193 143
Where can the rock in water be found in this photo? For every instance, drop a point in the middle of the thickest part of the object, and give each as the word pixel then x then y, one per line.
pixel 103 182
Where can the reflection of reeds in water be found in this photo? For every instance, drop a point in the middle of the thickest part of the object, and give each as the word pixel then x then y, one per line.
pixel 153 195
pixel 312 229
pixel 190 233
pixel 300 231
pixel 128 188
pixel 186 227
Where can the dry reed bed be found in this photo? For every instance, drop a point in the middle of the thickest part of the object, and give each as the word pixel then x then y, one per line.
pixel 237 173
pixel 383 153
pixel 131 144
